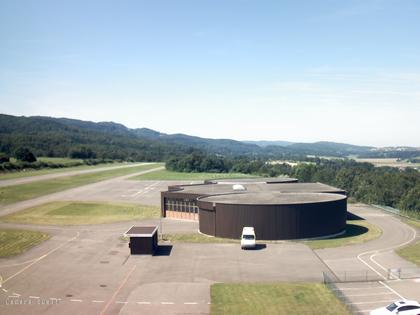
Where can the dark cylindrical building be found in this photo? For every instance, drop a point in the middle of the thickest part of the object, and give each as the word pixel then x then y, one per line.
pixel 274 215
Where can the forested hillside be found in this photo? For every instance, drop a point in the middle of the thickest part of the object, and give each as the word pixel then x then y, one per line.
pixel 63 137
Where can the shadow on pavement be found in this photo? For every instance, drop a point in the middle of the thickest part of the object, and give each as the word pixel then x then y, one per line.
pixel 163 250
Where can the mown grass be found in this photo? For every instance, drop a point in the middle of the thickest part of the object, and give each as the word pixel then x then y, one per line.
pixel 12 194
pixel 45 171
pixel 14 242
pixel 413 223
pixel 274 299
pixel 196 238
pixel 58 160
pixel 411 253
pixel 79 213
pixel 357 231
pixel 169 175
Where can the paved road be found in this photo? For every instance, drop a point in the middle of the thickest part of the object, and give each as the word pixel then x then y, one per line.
pixel 30 179
pixel 87 269
pixel 100 191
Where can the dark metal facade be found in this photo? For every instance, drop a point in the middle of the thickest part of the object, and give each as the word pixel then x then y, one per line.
pixel 274 222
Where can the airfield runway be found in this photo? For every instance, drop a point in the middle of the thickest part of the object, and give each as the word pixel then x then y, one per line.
pixel 88 269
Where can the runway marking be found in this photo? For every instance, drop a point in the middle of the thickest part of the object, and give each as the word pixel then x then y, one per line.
pixel 118 290
pixel 371 294
pixel 370 302
pixel 16 294
pixel 76 300
pixel 361 288
pixel 143 303
pixel 381 251
pixel 167 303
pixel 5 290
pixel 121 302
pixel 42 257
pixel 34 297
pixel 190 303
pixel 391 289
pixel 97 301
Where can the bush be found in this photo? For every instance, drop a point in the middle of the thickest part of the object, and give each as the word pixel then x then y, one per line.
pixel 4 158
pixel 25 155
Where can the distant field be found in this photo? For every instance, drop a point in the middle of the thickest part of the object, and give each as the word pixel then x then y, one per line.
pixel 79 213
pixel 411 253
pixel 274 299
pixel 14 242
pixel 58 160
pixel 389 162
pixel 44 171
pixel 11 194
pixel 357 231
pixel 169 175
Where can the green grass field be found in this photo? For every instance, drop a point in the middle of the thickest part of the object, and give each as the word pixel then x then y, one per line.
pixel 196 238
pixel 413 223
pixel 274 299
pixel 169 175
pixel 357 231
pixel 58 160
pixel 79 213
pixel 14 242
pixel 45 171
pixel 11 194
pixel 411 253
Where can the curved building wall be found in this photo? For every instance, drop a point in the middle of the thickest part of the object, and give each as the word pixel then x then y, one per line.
pixel 273 221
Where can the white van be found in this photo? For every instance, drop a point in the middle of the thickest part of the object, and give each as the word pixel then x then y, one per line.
pixel 248 237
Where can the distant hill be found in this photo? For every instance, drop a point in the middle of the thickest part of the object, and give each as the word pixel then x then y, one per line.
pixel 47 136
pixel 266 143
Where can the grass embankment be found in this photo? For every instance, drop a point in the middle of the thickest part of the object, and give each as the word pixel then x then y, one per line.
pixel 169 175
pixel 411 253
pixel 275 299
pixel 196 238
pixel 45 171
pixel 14 242
pixel 78 213
pixel 357 231
pixel 11 194
pixel 413 223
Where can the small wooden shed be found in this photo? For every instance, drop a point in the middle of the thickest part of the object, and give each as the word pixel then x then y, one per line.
pixel 143 240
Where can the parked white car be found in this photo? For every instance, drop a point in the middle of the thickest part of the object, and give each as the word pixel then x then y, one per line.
pixel 403 307
pixel 248 238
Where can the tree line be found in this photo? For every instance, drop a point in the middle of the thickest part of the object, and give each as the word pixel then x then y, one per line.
pixel 363 182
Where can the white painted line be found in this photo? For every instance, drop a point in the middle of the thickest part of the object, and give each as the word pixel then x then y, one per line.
pixel 167 303
pixel 5 290
pixel 371 302
pixel 391 289
pixel 12 297
pixel 42 257
pixel 209 303
pixel 33 297
pixel 76 300
pixel 190 303
pixel 143 303
pixel 345 289
pixel 97 301
pixel 120 302
pixel 372 294
pixel 17 294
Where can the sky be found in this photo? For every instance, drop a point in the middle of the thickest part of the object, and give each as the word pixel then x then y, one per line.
pixel 302 71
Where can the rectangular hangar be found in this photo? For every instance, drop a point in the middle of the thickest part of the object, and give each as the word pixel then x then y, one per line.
pixel 278 208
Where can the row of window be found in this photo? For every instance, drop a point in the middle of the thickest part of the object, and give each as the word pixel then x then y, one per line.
pixel 181 205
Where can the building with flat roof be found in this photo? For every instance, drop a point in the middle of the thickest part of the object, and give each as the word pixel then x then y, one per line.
pixel 278 208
